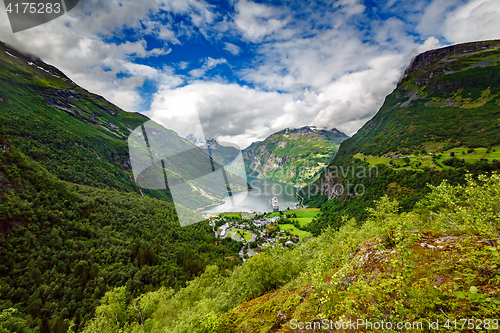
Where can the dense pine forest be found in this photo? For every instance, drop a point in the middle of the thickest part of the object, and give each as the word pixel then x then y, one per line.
pixel 64 245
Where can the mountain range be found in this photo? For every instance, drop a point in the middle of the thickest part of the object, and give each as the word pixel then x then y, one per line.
pixel 73 222
pixel 84 249
pixel 82 138
pixel 293 155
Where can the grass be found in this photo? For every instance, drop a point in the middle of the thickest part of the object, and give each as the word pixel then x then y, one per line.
pixel 246 234
pixel 294 230
pixel 422 161
pixel 307 212
pixel 237 215
pixel 303 221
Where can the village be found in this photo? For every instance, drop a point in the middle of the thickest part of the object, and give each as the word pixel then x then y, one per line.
pixel 260 231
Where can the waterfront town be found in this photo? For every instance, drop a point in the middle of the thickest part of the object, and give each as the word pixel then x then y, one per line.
pixel 259 231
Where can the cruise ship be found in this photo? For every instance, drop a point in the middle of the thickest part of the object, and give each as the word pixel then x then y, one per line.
pixel 276 206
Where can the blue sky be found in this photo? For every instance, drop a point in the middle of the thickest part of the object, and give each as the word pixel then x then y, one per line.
pixel 240 70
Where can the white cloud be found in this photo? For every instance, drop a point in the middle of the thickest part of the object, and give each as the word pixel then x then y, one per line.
pixel 231 48
pixel 228 112
pixel 208 64
pixel 241 115
pixel 256 21
pixel 183 64
pixel 460 22
pixel 76 44
pixel 477 20
pixel 321 64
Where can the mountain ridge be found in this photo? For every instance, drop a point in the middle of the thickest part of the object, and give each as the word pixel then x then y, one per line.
pixel 80 137
pixel 441 121
pixel 293 156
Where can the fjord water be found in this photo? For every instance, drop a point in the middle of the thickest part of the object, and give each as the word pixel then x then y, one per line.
pixel 258 199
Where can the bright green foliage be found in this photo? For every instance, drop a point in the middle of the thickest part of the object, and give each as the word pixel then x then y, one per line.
pixel 392 277
pixel 199 306
pixel 448 102
pixel 473 207
pixel 10 323
pixel 377 271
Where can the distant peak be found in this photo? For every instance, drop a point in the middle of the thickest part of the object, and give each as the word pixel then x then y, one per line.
pixel 309 129
pixel 196 140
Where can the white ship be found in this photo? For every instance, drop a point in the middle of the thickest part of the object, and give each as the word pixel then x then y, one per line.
pixel 276 206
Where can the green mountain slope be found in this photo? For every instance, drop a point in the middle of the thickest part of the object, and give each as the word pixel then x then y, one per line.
pixel 441 121
pixel 76 135
pixel 447 98
pixel 294 156
pixel 73 223
pixel 79 136
pixel 64 245
pixel 223 154
pixel 416 267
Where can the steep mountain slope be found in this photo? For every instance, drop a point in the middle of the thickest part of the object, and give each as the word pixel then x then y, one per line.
pixel 78 136
pixel 294 156
pixel 73 222
pixel 442 119
pixel 222 153
pixel 447 98
pixel 438 263
pixel 63 245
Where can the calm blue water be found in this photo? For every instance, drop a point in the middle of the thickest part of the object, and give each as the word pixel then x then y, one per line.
pixel 259 198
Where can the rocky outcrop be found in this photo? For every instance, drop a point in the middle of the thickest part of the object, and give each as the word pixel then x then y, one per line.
pixel 4 143
pixel 440 60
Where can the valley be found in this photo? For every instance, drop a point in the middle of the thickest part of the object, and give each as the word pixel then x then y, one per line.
pixel 87 247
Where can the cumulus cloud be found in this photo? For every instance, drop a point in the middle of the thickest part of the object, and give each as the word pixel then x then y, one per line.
pixel 476 20
pixel 319 64
pixel 78 44
pixel 228 112
pixel 460 22
pixel 257 21
pixel 233 113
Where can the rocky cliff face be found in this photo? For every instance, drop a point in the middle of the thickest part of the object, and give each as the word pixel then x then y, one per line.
pixel 440 61
pixel 446 95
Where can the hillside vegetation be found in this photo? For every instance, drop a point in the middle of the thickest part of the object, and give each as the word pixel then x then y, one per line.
pixel 441 121
pixel 439 262
pixel 64 245
pixel 80 137
pixel 447 98
pixel 294 156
